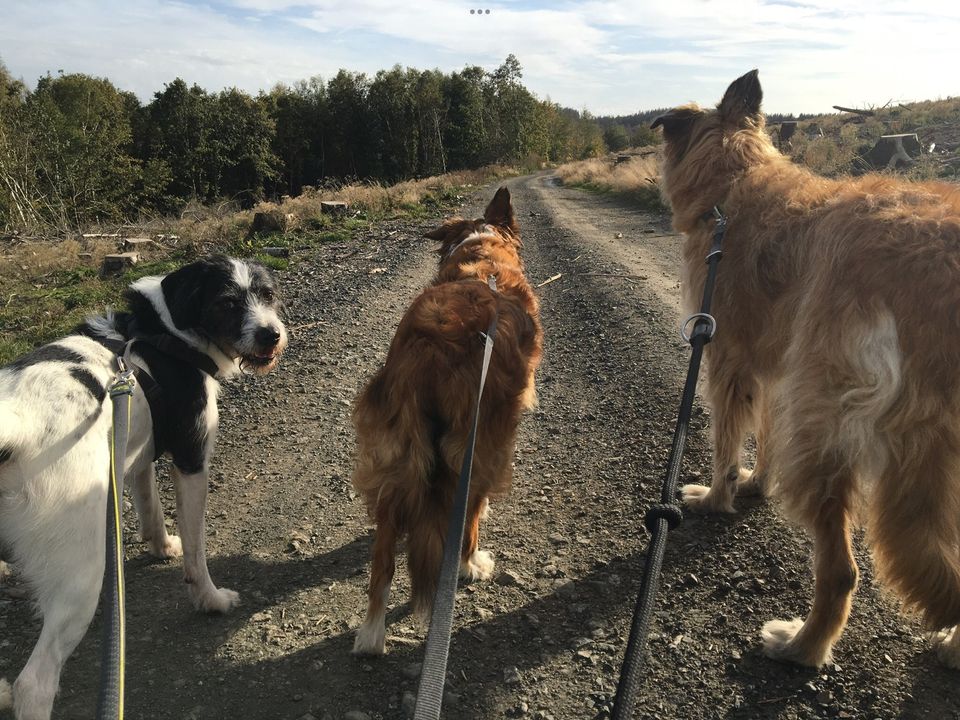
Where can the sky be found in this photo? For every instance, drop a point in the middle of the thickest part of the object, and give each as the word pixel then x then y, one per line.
pixel 611 57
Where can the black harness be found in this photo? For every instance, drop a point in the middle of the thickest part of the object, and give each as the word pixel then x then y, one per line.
pixel 173 347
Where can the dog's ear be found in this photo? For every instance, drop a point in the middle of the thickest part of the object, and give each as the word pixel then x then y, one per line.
pixel 676 122
pixel 742 99
pixel 183 292
pixel 500 212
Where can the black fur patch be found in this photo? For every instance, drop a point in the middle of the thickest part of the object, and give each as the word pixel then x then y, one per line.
pixel 47 353
pixel 184 400
pixel 5 454
pixel 93 386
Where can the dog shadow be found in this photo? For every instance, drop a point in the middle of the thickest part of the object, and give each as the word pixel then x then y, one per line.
pixel 185 658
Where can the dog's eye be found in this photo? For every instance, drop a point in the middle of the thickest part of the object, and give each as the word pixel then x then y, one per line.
pixel 266 294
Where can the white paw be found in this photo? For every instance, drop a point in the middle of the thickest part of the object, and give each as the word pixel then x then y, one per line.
pixel 700 499
pixel 172 548
pixel 778 644
pixel 478 567
pixel 371 638
pixel 948 649
pixel 216 601
pixel 6 695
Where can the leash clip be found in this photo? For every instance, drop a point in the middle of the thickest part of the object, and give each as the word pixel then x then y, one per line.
pixel 124 382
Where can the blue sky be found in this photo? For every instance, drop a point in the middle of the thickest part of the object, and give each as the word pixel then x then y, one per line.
pixel 609 56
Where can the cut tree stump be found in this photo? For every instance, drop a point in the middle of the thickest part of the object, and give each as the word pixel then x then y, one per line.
pixel 113 264
pixel 334 207
pixel 893 150
pixel 270 221
pixel 787 129
pixel 136 243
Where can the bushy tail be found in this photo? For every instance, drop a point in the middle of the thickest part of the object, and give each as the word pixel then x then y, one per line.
pixel 913 529
pixel 6 695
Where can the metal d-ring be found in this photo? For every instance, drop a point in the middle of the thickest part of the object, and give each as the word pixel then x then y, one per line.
pixel 710 319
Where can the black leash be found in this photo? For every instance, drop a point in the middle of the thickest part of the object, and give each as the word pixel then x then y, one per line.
pixel 662 518
pixel 112 666
pixel 433 675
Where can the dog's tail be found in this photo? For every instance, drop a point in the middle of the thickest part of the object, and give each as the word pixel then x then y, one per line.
pixel 913 529
pixel 6 695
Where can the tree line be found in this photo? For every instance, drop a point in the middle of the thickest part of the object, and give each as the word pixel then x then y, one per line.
pixel 77 150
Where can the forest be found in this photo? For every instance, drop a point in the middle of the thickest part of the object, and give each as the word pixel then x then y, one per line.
pixel 76 150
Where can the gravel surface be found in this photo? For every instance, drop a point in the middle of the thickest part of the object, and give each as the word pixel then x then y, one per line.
pixel 545 638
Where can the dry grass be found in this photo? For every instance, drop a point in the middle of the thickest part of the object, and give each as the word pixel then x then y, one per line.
pixel 637 178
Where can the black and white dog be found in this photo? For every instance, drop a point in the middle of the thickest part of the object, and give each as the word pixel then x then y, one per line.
pixel 208 320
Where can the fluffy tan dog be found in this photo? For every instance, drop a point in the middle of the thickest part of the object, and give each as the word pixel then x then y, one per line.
pixel 413 417
pixel 838 305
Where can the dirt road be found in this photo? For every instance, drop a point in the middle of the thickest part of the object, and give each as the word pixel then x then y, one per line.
pixel 545 638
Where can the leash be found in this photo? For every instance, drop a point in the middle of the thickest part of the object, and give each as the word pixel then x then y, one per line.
pixel 662 518
pixel 433 674
pixel 110 701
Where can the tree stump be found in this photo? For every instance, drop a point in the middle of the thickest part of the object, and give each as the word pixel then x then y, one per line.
pixel 117 263
pixel 269 221
pixel 337 208
pixel 786 131
pixel 892 151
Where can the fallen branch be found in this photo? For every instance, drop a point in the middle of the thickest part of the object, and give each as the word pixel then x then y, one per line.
pixel 550 280
pixel 868 113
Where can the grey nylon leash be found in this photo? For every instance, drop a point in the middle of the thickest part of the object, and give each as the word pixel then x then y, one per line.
pixel 113 653
pixel 433 675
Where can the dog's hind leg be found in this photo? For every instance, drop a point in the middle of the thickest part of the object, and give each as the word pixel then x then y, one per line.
pixel 810 642
pixel 152 528
pixel 731 399
pixel 191 507
pixel 371 635
pixel 475 564
pixel 757 481
pixel 62 559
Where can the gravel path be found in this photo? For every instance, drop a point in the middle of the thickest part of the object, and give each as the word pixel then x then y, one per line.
pixel 545 638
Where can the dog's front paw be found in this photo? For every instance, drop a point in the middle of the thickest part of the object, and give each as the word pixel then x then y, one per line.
pixel 779 643
pixel 217 600
pixel 752 484
pixel 171 548
pixel 478 567
pixel 699 499
pixel 948 649
pixel 371 639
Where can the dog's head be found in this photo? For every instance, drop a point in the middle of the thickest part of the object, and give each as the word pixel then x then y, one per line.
pixel 232 303
pixel 498 217
pixel 705 149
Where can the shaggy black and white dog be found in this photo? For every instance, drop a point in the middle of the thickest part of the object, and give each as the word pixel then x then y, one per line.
pixel 209 320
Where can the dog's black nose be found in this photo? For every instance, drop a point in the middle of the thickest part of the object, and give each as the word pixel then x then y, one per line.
pixel 267 336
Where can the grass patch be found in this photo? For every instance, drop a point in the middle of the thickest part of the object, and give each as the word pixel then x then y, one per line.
pixel 635 180
pixel 49 286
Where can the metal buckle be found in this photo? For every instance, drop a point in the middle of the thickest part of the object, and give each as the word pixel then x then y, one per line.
pixel 124 382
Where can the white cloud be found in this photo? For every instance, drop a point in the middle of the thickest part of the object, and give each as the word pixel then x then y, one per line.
pixel 607 55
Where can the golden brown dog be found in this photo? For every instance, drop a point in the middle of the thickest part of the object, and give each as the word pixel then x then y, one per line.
pixel 413 418
pixel 838 306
